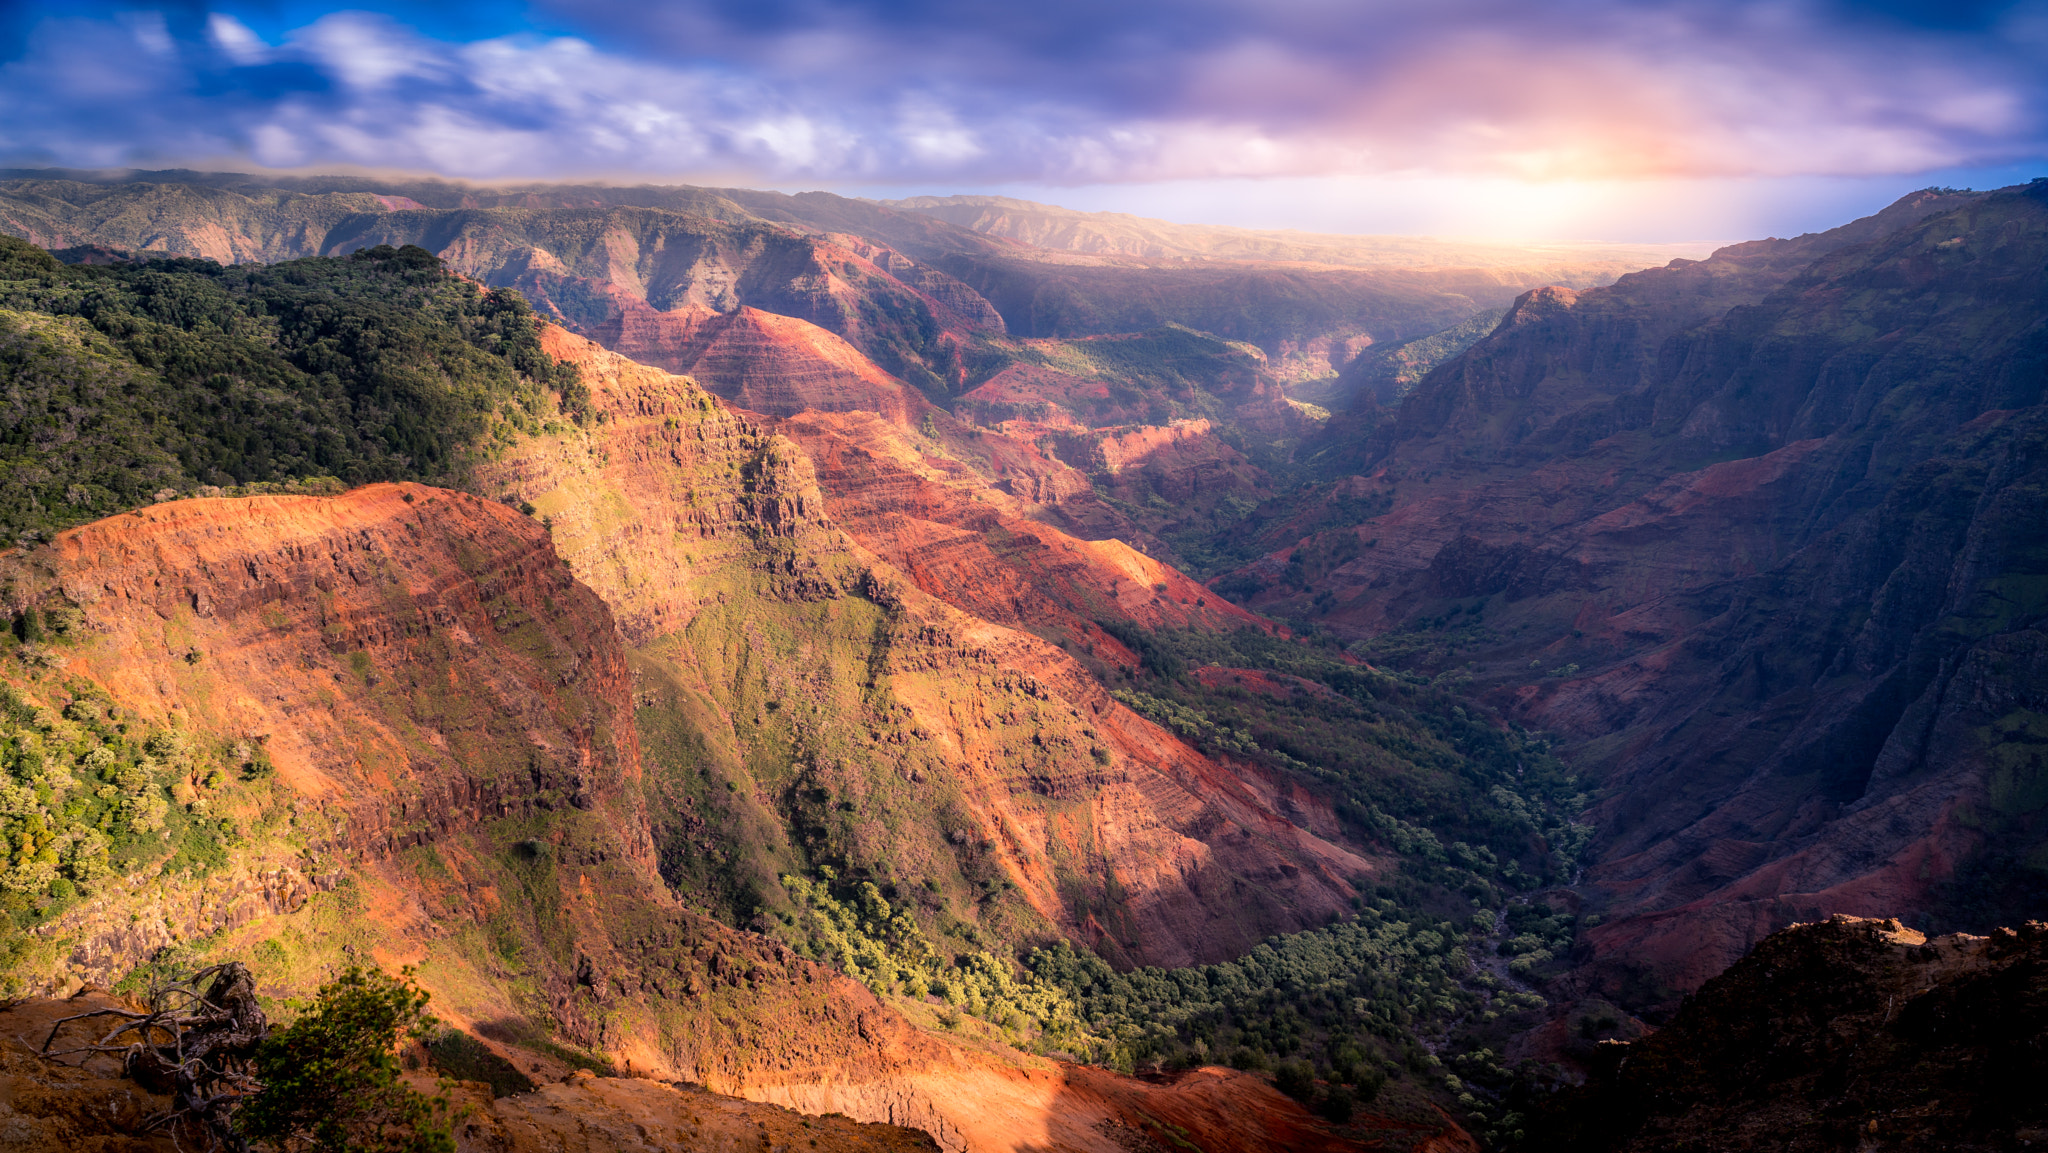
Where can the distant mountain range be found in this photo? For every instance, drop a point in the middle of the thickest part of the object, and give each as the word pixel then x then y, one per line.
pixel 1115 234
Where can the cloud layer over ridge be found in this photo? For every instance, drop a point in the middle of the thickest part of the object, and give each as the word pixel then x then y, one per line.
pixel 1056 91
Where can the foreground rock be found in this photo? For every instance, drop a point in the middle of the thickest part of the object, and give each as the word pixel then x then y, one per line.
pixel 1847 1034
pixel 93 1108
pixel 91 1105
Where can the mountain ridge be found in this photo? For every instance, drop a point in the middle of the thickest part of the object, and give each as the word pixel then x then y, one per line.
pixel 1123 234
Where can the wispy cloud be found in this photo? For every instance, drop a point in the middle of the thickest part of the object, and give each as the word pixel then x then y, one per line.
pixel 1060 90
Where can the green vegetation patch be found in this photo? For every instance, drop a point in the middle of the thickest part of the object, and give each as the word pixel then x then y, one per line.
pixel 885 949
pixel 127 383
pixel 90 794
pixel 1469 805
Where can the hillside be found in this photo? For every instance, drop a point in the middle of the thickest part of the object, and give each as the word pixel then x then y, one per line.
pixel 890 281
pixel 124 382
pixel 1845 1033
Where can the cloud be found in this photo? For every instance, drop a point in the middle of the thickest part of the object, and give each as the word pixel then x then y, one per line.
pixel 1054 91
pixel 235 40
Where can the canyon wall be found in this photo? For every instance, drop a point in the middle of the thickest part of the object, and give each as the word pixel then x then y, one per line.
pixel 975 754
pixel 1748 535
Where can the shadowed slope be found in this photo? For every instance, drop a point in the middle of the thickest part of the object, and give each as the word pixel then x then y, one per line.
pixel 1844 1034
pixel 1750 533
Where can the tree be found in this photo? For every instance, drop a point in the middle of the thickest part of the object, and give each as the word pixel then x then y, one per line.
pixel 330 1080
pixel 1297 1079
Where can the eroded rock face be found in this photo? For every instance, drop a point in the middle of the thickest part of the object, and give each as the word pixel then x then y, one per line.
pixel 429 678
pixel 1848 1033
pixel 246 610
pixel 977 749
pixel 479 744
pixel 646 281
pixel 426 674
pixel 984 550
pixel 780 366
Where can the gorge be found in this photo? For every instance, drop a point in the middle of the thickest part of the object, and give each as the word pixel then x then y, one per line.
pixel 1114 689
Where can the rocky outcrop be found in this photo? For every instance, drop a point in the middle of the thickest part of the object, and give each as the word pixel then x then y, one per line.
pixel 447 708
pixel 980 549
pixel 1119 448
pixel 1182 470
pixel 1848 1033
pixel 1560 352
pixel 277 600
pixel 655 275
pixel 106 939
pixel 1039 399
pixel 964 302
pixel 449 714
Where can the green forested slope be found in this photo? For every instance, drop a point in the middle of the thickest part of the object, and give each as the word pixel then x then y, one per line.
pixel 121 382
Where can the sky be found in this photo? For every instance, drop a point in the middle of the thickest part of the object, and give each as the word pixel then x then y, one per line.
pixel 1614 120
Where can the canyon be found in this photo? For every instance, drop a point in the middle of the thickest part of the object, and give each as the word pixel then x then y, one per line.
pixel 487 731
pixel 984 579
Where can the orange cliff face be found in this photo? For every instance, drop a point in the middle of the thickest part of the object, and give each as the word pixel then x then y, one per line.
pixel 976 753
pixel 463 788
pixel 761 362
pixel 443 701
pixel 236 613
pixel 817 356
pixel 911 501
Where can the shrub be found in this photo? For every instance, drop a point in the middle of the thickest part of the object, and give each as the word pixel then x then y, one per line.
pixel 330 1081
pixel 170 377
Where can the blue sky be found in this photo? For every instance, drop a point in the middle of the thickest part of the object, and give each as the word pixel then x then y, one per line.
pixel 1593 119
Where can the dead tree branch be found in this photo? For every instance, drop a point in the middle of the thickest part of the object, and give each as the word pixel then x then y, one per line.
pixel 194 1041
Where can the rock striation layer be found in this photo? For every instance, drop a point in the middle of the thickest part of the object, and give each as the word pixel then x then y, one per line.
pixel 457 727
